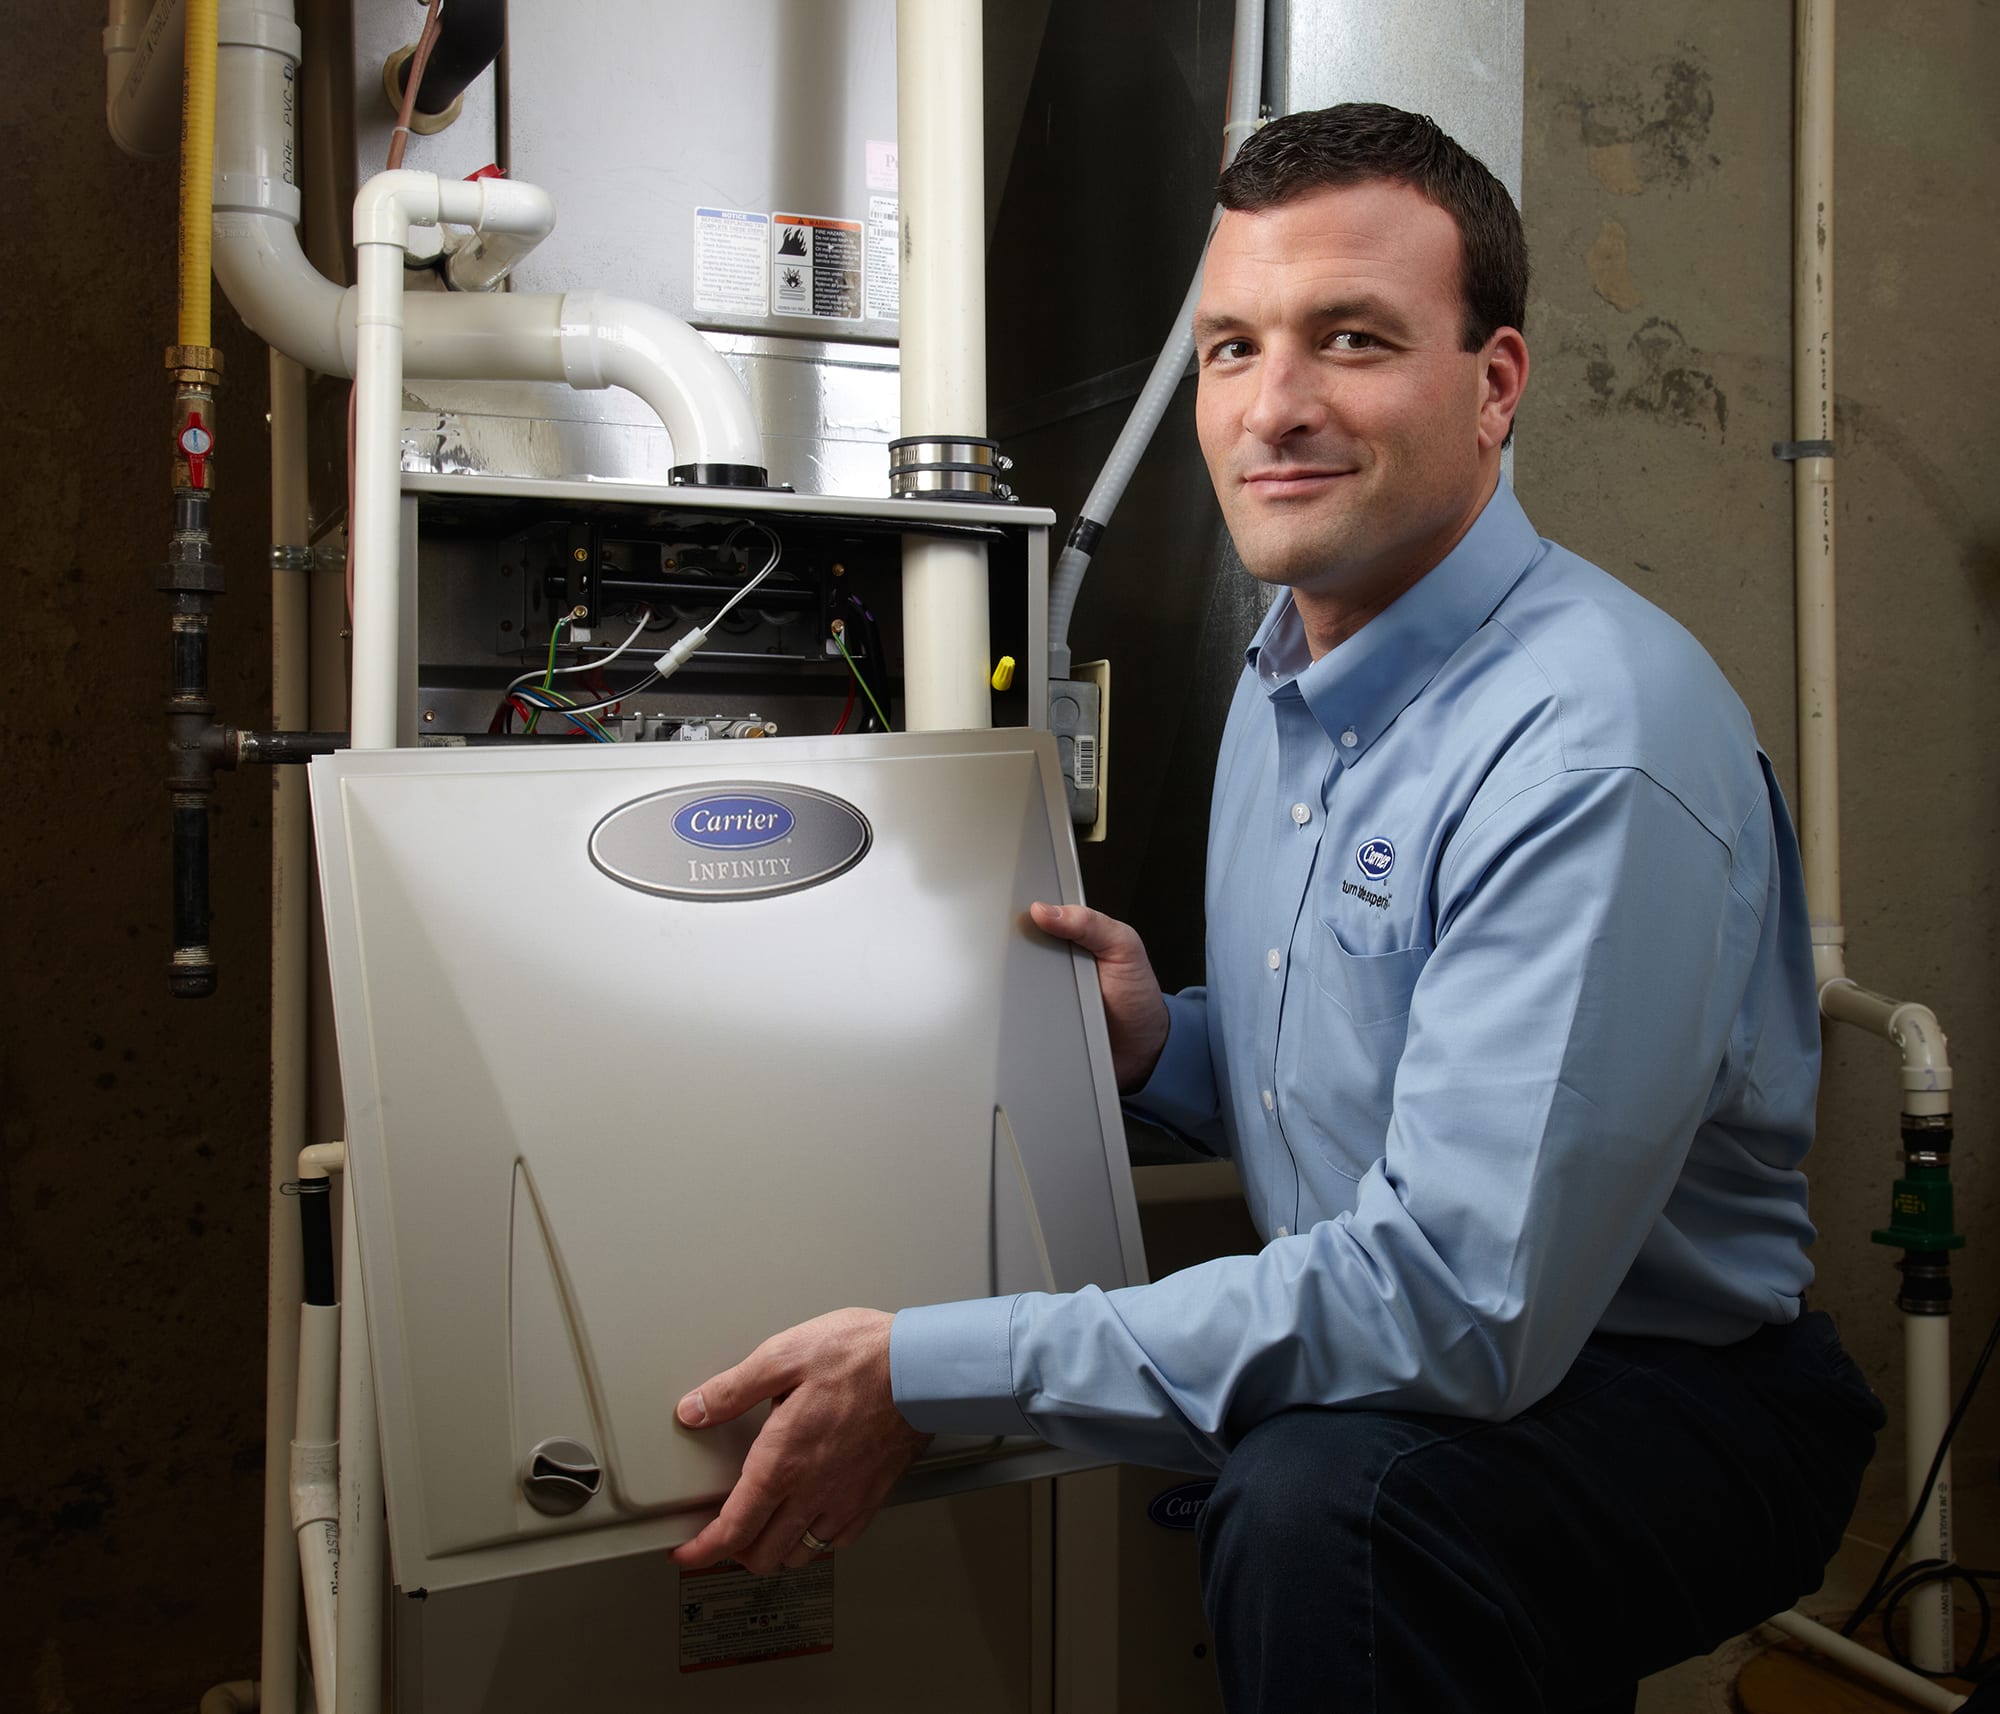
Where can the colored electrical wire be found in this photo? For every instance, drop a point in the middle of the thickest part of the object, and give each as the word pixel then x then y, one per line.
pixel 858 679
pixel 770 565
pixel 413 77
pixel 846 710
pixel 549 672
pixel 533 701
pixel 594 661
pixel 645 683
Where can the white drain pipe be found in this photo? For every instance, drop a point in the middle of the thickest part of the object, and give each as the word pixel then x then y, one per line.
pixel 291 563
pixel 388 207
pixel 1912 1028
pixel 947 646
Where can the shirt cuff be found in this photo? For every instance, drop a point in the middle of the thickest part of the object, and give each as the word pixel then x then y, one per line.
pixel 951 1367
pixel 1181 1094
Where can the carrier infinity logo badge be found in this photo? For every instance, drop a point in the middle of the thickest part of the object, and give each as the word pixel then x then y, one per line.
pixel 739 840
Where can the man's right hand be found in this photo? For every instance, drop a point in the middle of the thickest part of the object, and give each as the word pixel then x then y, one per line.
pixel 1133 1006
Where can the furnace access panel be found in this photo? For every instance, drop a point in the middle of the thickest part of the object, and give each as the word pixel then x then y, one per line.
pixel 650 1051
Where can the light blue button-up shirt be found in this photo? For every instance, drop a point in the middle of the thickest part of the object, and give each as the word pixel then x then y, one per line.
pixel 1509 1028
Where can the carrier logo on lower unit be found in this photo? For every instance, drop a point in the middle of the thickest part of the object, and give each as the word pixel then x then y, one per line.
pixel 735 840
pixel 1375 859
pixel 1180 1508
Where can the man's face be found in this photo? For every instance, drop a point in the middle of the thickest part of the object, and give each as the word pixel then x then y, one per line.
pixel 1351 439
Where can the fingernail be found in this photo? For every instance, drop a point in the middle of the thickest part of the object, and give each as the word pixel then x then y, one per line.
pixel 693 1410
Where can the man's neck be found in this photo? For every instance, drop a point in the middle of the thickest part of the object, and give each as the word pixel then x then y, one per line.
pixel 1330 617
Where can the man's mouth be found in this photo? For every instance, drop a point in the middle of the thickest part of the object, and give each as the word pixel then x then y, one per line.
pixel 1292 481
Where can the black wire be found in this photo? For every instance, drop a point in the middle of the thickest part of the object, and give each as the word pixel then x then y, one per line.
pixel 1932 1569
pixel 1919 1575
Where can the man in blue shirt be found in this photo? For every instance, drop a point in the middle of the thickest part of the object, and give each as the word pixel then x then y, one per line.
pixel 1509 1027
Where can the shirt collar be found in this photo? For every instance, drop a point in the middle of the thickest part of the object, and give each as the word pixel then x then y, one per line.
pixel 1359 687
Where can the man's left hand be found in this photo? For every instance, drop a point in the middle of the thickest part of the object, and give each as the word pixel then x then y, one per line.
pixel 826 1457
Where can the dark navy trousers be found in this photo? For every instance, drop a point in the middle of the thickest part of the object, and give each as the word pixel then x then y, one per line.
pixel 1663 1498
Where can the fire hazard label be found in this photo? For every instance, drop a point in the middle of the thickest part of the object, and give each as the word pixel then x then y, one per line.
pixel 731 249
pixel 729 1617
pixel 816 267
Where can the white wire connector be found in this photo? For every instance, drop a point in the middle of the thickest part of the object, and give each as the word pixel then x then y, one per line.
pixel 677 657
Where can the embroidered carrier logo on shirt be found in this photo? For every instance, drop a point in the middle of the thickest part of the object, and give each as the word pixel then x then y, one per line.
pixel 1375 859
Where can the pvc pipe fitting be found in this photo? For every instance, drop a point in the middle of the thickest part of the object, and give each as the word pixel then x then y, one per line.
pixel 617 342
pixel 1912 1027
pixel 142 77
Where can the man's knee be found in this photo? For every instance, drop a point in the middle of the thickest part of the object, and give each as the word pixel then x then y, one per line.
pixel 1300 1487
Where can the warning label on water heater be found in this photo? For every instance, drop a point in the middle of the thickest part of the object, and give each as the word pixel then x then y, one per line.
pixel 816 267
pixel 730 1617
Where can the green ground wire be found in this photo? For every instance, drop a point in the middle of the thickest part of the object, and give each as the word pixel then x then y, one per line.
pixel 858 679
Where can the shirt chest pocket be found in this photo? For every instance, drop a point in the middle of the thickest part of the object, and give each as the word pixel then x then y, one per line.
pixel 1368 988
pixel 1346 1038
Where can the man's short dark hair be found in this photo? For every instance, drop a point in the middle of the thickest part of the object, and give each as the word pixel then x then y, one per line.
pixel 1363 140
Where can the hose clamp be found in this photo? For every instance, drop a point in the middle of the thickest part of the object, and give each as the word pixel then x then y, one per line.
pixel 957 467
pixel 289 557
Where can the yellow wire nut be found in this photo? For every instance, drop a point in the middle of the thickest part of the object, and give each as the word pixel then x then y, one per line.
pixel 1003 674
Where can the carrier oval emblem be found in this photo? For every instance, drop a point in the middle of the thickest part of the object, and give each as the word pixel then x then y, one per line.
pixel 1375 859
pixel 1180 1508
pixel 739 840
pixel 733 823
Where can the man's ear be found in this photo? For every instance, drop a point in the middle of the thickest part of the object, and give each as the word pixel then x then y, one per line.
pixel 1503 378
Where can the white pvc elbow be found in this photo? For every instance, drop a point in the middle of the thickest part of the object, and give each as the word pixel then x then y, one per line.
pixel 615 342
pixel 143 54
pixel 1912 1027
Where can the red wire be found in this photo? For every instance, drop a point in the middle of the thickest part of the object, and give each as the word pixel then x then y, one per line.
pixel 840 726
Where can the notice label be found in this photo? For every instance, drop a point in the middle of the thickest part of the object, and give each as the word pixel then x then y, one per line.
pixel 729 1617
pixel 816 267
pixel 731 251
pixel 881 159
pixel 884 280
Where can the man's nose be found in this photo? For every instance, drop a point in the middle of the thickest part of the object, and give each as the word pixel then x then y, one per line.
pixel 1288 400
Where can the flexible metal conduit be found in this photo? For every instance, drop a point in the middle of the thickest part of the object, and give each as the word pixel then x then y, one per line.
pixel 1246 77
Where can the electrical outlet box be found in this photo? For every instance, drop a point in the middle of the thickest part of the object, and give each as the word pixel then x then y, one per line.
pixel 1077 711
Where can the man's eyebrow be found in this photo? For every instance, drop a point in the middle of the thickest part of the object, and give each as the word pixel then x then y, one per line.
pixel 1371 310
pixel 1213 322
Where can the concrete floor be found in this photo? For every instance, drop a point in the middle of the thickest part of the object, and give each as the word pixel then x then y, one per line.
pixel 1733 1680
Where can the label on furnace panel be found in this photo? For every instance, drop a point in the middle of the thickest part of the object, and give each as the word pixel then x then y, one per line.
pixel 727 1616
pixel 731 262
pixel 816 267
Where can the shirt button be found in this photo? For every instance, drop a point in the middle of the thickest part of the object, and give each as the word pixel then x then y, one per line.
pixel 1273 958
pixel 1301 814
pixel 1284 1231
pixel 1269 1106
pixel 1349 739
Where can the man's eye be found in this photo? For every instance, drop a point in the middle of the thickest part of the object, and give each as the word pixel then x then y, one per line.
pixel 1351 339
pixel 1229 351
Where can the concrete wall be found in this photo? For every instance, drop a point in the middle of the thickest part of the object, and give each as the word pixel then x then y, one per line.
pixel 1657 175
